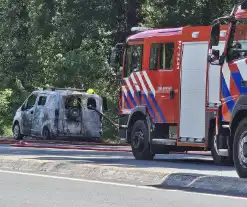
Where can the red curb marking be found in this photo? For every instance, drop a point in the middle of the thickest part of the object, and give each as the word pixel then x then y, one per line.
pixel 26 145
pixel 61 142
pixel 7 142
pixel 69 147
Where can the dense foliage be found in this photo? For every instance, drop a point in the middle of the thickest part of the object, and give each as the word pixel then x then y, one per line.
pixel 67 42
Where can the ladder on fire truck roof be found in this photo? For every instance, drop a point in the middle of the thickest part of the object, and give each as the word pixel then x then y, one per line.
pixel 140 29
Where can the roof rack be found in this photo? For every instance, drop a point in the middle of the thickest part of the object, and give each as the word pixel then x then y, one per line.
pixel 65 89
pixel 71 89
pixel 140 29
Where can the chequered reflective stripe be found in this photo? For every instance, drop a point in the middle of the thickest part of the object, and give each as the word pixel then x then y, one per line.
pixel 232 78
pixel 137 83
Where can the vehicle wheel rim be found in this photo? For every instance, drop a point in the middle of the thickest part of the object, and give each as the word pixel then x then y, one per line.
pixel 242 151
pixel 138 139
pixel 16 131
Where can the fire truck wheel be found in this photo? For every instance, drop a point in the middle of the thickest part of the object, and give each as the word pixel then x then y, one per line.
pixel 139 141
pixel 240 149
pixel 219 160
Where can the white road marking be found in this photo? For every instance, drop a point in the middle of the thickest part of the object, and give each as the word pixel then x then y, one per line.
pixel 77 179
pixel 117 184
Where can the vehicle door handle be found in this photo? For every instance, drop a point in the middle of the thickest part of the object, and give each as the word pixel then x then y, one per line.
pixel 172 94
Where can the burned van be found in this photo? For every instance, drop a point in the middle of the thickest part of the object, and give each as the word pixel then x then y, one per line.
pixel 55 113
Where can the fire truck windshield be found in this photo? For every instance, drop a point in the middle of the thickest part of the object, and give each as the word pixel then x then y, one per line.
pixel 133 59
pixel 238 40
pixel 240 36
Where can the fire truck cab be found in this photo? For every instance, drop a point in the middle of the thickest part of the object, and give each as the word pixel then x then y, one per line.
pixel 231 124
pixel 169 94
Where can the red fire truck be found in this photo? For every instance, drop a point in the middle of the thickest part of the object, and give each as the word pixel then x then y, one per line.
pixel 168 96
pixel 231 122
pixel 185 89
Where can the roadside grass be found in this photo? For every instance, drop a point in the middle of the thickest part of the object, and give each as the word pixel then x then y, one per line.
pixel 7 131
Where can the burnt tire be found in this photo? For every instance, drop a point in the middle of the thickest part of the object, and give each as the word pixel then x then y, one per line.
pixel 17 132
pixel 240 149
pixel 139 141
pixel 46 134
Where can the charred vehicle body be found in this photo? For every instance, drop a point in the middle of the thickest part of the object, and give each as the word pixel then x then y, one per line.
pixel 57 113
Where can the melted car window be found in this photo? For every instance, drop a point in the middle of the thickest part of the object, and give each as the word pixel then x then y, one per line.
pixel 42 100
pixel 31 101
pixel 51 102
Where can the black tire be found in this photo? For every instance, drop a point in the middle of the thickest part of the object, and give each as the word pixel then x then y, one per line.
pixel 219 160
pixel 17 132
pixel 46 134
pixel 139 141
pixel 239 151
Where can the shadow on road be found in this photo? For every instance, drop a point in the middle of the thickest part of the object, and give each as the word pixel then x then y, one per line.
pixel 213 185
pixel 211 192
pixel 117 159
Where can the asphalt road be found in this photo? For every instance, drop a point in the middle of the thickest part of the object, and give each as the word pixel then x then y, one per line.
pixel 24 190
pixel 168 163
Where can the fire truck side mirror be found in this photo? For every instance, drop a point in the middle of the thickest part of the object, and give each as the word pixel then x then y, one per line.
pixel 215 58
pixel 216 54
pixel 215 35
pixel 116 57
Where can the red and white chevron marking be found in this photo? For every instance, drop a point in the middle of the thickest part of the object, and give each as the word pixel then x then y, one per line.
pixel 138 81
